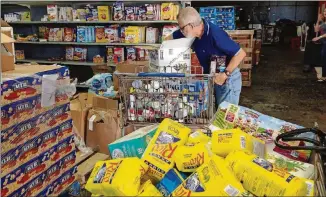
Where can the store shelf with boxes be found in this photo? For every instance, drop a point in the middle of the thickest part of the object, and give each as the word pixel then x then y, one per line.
pixel 89 33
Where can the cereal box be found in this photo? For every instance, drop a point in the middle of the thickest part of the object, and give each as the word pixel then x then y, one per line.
pixel 152 35
pixel 103 13
pixel 81 15
pixel 150 12
pixel 122 34
pixel 131 53
pixel 110 54
pixel 20 55
pixel 112 34
pixel 52 11
pixel 100 35
pixel 68 34
pixel 167 11
pixel 119 54
pixel 69 53
pixel 118 11
pixel 130 13
pixel 81 34
pixel 80 54
pixel 141 13
pixel 132 34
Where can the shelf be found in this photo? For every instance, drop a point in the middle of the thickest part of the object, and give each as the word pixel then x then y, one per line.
pixel 75 63
pixel 91 43
pixel 91 22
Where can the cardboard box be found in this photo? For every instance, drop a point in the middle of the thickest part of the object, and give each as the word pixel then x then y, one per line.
pixel 134 144
pixel 103 124
pixel 129 67
pixel 79 108
pixel 174 56
pixel 7 47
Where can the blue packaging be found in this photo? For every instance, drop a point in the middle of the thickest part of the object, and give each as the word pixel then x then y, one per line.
pixel 207 10
pixel 81 34
pixel 171 180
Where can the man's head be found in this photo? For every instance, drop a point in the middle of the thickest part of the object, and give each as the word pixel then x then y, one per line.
pixel 190 22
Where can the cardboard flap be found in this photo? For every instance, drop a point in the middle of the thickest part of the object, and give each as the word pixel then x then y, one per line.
pixel 6 39
pixel 132 67
pixel 4 24
pixel 105 104
pixel 5 51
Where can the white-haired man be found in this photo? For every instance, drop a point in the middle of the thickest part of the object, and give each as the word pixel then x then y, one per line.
pixel 210 41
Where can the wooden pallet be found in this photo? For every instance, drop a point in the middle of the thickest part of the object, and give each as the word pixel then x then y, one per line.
pixel 246 77
pixel 247 62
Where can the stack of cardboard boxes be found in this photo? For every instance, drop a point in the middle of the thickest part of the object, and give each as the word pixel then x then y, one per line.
pixel 37 142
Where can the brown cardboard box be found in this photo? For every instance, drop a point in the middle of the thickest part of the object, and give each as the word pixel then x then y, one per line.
pixel 103 125
pixel 79 108
pixel 129 67
pixel 7 47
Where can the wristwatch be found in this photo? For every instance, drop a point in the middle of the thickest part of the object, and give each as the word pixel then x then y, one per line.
pixel 227 73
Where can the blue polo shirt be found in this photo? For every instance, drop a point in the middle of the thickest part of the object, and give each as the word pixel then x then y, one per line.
pixel 214 41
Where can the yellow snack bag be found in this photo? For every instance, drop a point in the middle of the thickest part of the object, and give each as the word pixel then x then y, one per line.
pixel 148 189
pixel 118 177
pixel 198 137
pixel 260 178
pixel 226 141
pixel 159 152
pixel 191 156
pixel 213 178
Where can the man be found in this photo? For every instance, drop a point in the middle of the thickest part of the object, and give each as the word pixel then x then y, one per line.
pixel 211 40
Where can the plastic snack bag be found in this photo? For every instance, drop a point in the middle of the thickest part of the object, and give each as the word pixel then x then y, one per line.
pixel 159 152
pixel 148 189
pixel 198 137
pixel 119 177
pixel 260 178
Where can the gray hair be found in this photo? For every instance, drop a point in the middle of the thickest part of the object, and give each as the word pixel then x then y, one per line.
pixel 189 15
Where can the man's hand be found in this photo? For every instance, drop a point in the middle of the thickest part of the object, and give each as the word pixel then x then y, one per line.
pixel 220 78
pixel 315 39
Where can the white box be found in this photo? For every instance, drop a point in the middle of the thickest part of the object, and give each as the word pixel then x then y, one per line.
pixel 174 56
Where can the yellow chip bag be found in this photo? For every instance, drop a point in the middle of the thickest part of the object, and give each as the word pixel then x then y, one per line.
pixel 159 152
pixel 148 189
pixel 191 156
pixel 213 178
pixel 226 141
pixel 198 137
pixel 118 177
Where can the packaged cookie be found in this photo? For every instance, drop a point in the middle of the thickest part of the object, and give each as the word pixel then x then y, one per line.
pixel 112 34
pixel 20 55
pixel 68 34
pixel 100 35
pixel 119 55
pixel 167 11
pixel 118 11
pixel 103 13
pixel 69 53
pixel 81 34
pixel 131 53
pixel 130 13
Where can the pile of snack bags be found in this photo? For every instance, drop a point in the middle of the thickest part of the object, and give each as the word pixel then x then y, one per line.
pixel 182 162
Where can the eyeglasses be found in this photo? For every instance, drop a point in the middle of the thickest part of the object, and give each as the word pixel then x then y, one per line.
pixel 183 28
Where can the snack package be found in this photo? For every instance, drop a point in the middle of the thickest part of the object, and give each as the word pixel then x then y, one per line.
pixel 81 34
pixel 112 34
pixel 80 54
pixel 148 189
pixel 68 34
pixel 213 178
pixel 159 152
pixel 260 178
pixel 198 137
pixel 226 141
pixel 103 13
pixel 130 13
pixel 20 55
pixel 167 11
pixel 168 30
pixel 108 178
pixel 69 53
pixel 109 54
pixel 118 11
pixel 171 180
pixel 191 156
pixel 131 53
pixel 119 55
pixel 152 35
pixel 52 11
pixel 100 35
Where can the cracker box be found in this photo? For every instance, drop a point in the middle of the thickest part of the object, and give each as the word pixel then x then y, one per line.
pixel 100 35
pixel 25 81
pixel 103 13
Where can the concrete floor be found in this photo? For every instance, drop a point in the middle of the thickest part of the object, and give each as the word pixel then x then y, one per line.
pixel 280 89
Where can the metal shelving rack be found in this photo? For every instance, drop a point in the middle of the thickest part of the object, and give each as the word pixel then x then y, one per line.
pixel 91 22
pixel 92 43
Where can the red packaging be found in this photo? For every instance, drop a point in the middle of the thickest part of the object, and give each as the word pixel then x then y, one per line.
pixel 119 55
pixel 68 34
pixel 140 54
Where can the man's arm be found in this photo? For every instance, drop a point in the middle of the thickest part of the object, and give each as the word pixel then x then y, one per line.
pixel 175 35
pixel 236 60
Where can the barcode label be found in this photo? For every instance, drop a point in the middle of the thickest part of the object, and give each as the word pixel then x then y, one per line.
pixel 309 188
pixel 243 142
pixel 170 51
pixel 186 56
pixel 231 191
